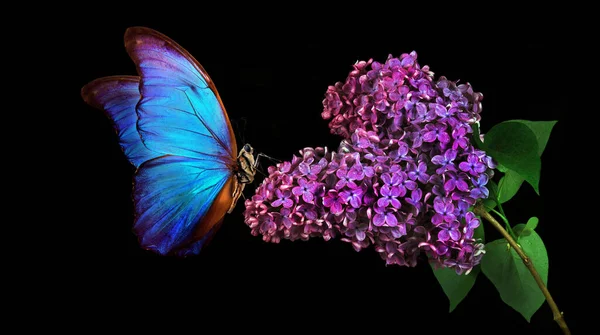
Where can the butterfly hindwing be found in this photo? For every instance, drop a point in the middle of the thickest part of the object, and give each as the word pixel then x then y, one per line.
pixel 172 194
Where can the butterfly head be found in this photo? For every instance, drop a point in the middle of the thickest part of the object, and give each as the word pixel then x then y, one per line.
pixel 247 149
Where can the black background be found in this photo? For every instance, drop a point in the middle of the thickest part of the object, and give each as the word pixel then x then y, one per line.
pixel 272 77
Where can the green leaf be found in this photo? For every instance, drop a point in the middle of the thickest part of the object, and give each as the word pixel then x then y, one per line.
pixel 489 204
pixel 493 188
pixel 479 233
pixel 492 200
pixel 501 168
pixel 509 185
pixel 512 279
pixel 526 229
pixel 541 129
pixel 476 138
pixel 515 146
pixel 454 285
pixel 532 223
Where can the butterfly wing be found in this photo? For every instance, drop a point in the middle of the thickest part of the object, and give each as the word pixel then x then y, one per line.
pixel 180 112
pixel 118 96
pixel 178 201
pixel 181 196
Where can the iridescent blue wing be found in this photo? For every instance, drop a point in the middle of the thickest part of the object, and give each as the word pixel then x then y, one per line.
pixel 118 96
pixel 180 112
pixel 178 201
pixel 195 247
pixel 179 197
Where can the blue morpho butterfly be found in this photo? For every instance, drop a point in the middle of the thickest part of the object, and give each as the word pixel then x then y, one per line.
pixel 173 128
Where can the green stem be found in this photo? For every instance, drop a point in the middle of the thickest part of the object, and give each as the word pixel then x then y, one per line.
pixel 507 224
pixel 558 315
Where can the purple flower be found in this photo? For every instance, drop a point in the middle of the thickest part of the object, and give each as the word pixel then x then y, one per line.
pixel 418 172
pixel 403 178
pixel 458 135
pixel 396 181
pixel 444 210
pixel 473 165
pixel 392 82
pixel 405 182
pixel 449 231
pixel 268 226
pixel 446 114
pixel 358 230
pixel 384 216
pixel 415 200
pixel 479 190
pixel 456 180
pixel 402 154
pixel 436 132
pixel 417 138
pixel 411 105
pixel 408 60
pixel 381 102
pixel 462 207
pixel 334 202
pixel 389 195
pixel 310 171
pixel 471 222
pixel 446 161
pixel 306 189
pixel 424 114
pixel 356 172
pixel 353 196
pixel 283 198
pixel 345 179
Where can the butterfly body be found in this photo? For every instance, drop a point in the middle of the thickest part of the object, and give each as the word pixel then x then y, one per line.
pixel 174 129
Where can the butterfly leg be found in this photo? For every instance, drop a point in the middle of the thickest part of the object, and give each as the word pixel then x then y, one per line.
pixel 260 154
pixel 237 192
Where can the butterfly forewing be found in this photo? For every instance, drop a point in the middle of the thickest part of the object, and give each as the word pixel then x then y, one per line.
pixel 118 96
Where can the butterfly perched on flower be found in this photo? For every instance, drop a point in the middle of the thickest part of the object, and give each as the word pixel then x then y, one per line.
pixel 174 129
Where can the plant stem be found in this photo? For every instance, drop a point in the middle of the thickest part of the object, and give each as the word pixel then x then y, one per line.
pixel 558 315
pixel 507 225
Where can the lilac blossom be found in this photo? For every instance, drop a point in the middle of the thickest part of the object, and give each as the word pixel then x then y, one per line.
pixel 405 175
pixel 353 196
pixel 389 196
pixel 473 165
pixel 449 230
pixel 385 216
pixel 479 191
pixel 306 189
pixel 418 172
pixel 334 201
pixel 283 198
pixel 446 161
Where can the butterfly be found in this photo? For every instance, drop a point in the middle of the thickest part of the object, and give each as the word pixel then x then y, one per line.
pixel 173 127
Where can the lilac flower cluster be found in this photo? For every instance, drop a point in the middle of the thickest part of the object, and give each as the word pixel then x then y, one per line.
pixel 405 175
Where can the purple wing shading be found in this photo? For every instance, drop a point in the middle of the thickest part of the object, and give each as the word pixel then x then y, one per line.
pixel 118 96
pixel 195 247
pixel 172 196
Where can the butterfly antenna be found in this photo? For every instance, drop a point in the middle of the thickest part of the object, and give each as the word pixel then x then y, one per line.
pixel 239 127
pixel 242 132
